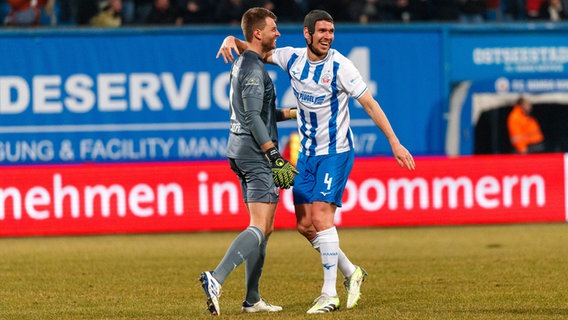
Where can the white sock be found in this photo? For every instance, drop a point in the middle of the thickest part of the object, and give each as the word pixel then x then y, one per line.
pixel 344 264
pixel 329 252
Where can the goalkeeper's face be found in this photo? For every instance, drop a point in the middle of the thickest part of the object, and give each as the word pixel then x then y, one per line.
pixel 269 35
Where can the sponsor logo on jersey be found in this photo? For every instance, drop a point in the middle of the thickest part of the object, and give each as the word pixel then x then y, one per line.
pixel 252 82
pixel 306 97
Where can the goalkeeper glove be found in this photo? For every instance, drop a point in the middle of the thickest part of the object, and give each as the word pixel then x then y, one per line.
pixel 282 170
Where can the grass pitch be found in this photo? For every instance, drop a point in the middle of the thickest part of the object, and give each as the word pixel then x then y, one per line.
pixel 469 272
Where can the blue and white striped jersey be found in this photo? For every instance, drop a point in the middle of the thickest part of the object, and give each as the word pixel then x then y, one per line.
pixel 322 90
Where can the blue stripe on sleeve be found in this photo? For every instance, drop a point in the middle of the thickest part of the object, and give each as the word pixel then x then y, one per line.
pixel 291 62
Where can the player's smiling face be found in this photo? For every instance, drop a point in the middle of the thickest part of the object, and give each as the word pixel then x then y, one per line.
pixel 269 35
pixel 323 37
pixel 319 42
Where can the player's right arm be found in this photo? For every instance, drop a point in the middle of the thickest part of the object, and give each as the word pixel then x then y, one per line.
pixel 376 113
pixel 230 44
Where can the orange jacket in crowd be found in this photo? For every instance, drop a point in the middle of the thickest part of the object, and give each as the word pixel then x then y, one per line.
pixel 524 130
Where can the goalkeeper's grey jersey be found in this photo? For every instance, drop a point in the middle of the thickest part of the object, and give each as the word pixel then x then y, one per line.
pixel 252 101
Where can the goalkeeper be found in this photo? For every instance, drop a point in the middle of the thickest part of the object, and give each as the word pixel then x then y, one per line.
pixel 253 156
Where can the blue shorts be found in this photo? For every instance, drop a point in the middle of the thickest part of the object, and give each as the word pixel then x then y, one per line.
pixel 322 178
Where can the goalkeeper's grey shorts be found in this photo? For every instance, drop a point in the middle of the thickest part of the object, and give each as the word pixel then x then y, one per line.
pixel 257 183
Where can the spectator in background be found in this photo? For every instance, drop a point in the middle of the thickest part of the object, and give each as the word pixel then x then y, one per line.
pixel 25 12
pixel 142 9
pixel 406 10
pixel 290 11
pixel 109 15
pixel 341 9
pixel 524 130
pixel 266 4
pixel 396 11
pixel 494 11
pixel 162 13
pixel 128 11
pixel 420 10
pixel 553 10
pixel 67 11
pixel 230 11
pixel 196 11
pixel 532 8
pixel 446 10
pixel 513 10
pixel 86 10
pixel 473 11
pixel 366 11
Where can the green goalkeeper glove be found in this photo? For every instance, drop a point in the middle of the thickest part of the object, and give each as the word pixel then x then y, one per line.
pixel 282 170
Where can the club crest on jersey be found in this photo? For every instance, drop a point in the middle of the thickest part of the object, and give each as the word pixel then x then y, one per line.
pixel 326 78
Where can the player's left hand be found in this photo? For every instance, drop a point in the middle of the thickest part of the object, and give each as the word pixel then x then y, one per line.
pixel 282 170
pixel 403 157
pixel 226 50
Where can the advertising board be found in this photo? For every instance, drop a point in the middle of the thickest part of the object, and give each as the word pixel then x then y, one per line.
pixel 138 95
pixel 205 196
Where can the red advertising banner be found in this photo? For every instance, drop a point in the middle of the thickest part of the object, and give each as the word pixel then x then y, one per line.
pixel 201 196
pixel 461 190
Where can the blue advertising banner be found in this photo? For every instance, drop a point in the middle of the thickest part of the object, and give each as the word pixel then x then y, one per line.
pixel 70 96
pixel 159 94
pixel 488 52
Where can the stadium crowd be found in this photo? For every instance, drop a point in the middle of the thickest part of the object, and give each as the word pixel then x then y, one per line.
pixel 113 13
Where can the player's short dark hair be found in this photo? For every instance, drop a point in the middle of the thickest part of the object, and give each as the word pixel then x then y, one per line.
pixel 255 18
pixel 314 16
